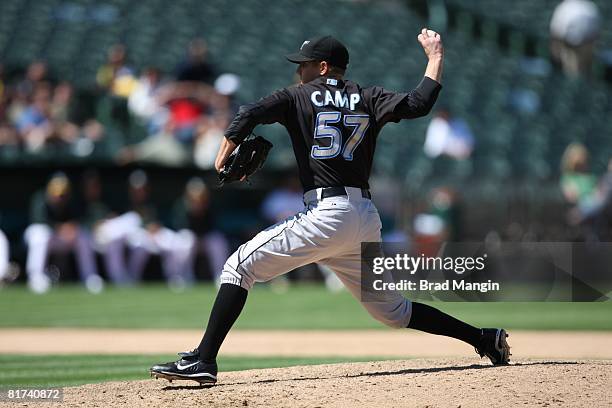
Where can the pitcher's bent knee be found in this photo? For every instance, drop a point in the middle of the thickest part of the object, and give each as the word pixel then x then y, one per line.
pixel 394 314
pixel 232 276
pixel 236 273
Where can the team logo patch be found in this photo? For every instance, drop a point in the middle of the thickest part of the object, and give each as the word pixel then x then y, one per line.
pixel 304 43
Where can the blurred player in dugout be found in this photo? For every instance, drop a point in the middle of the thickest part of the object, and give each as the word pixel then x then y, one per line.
pixel 55 229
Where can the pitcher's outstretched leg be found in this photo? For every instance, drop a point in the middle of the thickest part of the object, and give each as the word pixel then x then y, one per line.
pixel 487 342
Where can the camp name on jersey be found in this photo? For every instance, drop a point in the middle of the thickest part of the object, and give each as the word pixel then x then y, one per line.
pixel 338 99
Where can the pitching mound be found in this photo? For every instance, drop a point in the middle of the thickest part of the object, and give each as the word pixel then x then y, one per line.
pixel 440 383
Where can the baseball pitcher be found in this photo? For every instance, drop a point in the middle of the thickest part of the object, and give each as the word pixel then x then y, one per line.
pixel 333 124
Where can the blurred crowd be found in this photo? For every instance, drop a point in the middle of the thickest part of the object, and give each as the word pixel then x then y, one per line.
pixel 167 118
pixel 178 117
pixel 37 113
pixel 67 219
pixel 74 232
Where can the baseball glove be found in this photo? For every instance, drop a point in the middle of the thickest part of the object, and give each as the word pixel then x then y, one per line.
pixel 248 157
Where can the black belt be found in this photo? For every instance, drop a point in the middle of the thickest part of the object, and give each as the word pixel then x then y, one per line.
pixel 328 192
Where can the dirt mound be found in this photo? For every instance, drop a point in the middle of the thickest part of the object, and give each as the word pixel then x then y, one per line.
pixel 411 383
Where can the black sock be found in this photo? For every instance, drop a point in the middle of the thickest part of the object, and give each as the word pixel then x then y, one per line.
pixel 228 305
pixel 434 321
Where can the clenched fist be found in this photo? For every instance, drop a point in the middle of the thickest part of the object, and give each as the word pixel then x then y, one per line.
pixel 431 43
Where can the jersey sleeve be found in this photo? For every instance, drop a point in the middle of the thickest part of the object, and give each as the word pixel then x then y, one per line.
pixel 270 109
pixel 391 106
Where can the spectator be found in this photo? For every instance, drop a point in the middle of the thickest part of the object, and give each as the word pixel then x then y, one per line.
pixel 81 139
pixel 36 74
pixel 595 214
pixel 574 29
pixel 447 135
pixel 197 232
pixel 61 103
pixel 445 203
pixel 224 103
pixel 439 221
pixel 196 67
pixel 34 123
pixel 9 140
pixel 116 79
pixel 55 229
pixel 91 134
pixel 8 137
pixel 210 133
pixel 144 102
pixel 577 182
pixel 161 148
pixel 116 76
pixel 2 82
pixel 579 186
pixel 186 104
pixel 3 94
pixel 16 101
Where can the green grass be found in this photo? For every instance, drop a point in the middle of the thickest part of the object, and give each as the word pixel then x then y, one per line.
pixel 301 307
pixel 58 371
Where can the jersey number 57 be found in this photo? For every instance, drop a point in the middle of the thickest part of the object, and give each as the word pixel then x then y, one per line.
pixel 325 130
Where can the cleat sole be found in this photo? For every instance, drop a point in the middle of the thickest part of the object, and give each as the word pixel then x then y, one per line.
pixel 171 377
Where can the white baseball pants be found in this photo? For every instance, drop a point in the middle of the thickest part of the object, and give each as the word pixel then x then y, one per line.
pixel 328 231
pixel 4 255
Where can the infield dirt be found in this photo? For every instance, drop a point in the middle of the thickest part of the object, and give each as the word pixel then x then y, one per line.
pixel 410 383
pixel 569 369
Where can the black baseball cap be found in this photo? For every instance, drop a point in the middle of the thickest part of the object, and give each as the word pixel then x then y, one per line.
pixel 325 48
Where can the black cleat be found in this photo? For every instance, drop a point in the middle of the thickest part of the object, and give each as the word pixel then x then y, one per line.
pixel 189 367
pixel 493 344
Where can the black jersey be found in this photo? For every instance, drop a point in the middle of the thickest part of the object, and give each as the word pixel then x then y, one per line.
pixel 333 125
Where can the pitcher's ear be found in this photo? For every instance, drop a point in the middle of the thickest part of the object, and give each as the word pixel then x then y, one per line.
pixel 323 68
